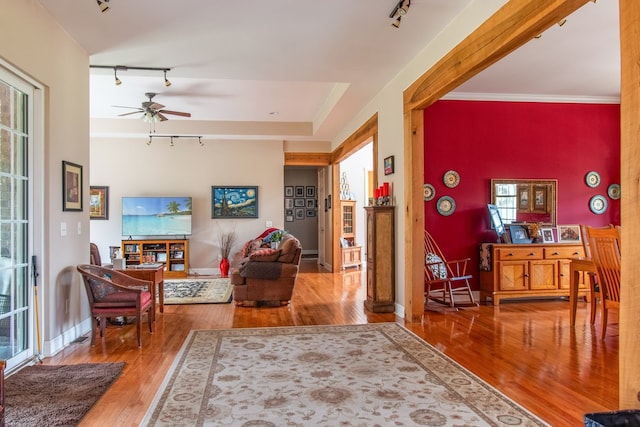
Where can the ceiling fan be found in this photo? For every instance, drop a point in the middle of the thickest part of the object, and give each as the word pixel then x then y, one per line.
pixel 152 111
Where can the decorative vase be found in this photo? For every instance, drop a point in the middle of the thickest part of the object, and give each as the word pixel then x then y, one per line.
pixel 224 267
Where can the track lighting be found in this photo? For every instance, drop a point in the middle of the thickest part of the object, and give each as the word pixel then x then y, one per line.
pixel 172 138
pixel 103 5
pixel 117 68
pixel 562 22
pixel 401 9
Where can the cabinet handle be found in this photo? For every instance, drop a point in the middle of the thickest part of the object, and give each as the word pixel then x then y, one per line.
pixel 561 274
pixel 531 254
pixel 556 253
pixel 575 253
pixel 510 254
pixel 526 275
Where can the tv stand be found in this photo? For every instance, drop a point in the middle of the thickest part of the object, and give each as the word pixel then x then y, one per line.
pixel 172 253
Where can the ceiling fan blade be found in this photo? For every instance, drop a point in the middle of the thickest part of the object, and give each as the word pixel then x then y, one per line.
pixel 176 113
pixel 122 106
pixel 128 114
pixel 162 118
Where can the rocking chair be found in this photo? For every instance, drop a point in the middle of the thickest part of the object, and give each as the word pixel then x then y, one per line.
pixel 443 280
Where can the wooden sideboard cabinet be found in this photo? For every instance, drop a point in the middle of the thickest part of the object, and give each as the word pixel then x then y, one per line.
pixel 380 256
pixel 527 271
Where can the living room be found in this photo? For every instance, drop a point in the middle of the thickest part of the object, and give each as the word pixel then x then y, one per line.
pixel 65 85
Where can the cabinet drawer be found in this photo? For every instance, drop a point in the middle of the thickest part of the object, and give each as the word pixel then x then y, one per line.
pixel 519 254
pixel 557 252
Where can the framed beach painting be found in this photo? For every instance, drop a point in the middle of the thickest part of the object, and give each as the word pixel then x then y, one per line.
pixel 238 201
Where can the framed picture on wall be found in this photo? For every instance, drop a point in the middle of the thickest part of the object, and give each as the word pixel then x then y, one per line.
pixel 299 213
pixel 299 191
pixel 524 199
pixel 539 198
pixel 288 191
pixel 238 201
pixel 98 202
pixel 311 191
pixel 388 165
pixel 71 186
pixel 299 203
pixel 311 213
pixel 288 203
pixel 311 203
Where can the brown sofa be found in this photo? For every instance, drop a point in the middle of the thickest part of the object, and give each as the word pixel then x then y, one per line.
pixel 265 273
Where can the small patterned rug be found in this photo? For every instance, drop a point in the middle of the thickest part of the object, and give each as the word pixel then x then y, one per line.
pixel 198 291
pixel 357 375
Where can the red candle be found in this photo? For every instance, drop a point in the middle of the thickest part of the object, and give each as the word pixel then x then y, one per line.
pixel 385 189
pixel 376 193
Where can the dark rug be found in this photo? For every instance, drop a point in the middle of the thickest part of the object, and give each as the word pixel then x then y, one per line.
pixel 56 395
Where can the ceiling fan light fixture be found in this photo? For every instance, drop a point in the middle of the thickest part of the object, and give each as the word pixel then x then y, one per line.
pixel 167 83
pixel 103 5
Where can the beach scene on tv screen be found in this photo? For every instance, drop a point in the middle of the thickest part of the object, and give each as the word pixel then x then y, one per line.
pixel 156 216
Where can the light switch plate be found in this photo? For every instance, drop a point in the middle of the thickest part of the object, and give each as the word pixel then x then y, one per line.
pixel 63 229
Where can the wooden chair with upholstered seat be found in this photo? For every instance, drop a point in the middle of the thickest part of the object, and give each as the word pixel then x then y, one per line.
pixel 112 293
pixel 605 253
pixel 444 280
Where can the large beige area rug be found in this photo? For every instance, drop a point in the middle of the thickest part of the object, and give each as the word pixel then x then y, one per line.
pixel 56 395
pixel 198 291
pixel 359 375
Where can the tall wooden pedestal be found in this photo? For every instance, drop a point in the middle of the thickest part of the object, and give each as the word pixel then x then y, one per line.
pixel 380 259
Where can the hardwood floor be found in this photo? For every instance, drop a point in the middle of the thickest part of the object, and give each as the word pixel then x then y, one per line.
pixel 527 350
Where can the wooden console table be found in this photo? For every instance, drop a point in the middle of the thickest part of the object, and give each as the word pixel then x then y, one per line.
pixel 154 275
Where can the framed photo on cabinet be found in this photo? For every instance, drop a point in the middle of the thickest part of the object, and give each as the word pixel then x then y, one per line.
pixel 569 234
pixel 547 235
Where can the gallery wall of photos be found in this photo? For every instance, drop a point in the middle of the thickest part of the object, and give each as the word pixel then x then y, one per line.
pixel 300 202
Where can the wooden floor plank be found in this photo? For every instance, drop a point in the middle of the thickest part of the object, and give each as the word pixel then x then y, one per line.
pixel 527 350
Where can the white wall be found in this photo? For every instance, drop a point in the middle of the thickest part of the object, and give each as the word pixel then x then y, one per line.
pixel 130 167
pixel 33 43
pixel 389 106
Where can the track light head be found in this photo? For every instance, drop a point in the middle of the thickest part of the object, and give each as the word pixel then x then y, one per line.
pixel 115 75
pixel 103 5
pixel 562 22
pixel 403 8
pixel 396 23
pixel 167 83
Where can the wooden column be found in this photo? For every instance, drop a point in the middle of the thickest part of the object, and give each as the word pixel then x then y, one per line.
pixel 629 368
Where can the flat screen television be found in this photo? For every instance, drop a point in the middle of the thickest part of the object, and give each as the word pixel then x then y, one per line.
pixel 496 220
pixel 156 216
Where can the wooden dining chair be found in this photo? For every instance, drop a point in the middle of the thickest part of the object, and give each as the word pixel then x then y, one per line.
pixel 591 277
pixel 443 279
pixel 605 253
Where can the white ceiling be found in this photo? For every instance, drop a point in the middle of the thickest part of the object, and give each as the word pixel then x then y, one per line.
pixel 310 61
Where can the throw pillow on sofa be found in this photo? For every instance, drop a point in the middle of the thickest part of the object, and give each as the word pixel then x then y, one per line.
pixel 265 255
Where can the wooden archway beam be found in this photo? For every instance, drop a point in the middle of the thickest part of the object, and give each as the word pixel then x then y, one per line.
pixel 513 25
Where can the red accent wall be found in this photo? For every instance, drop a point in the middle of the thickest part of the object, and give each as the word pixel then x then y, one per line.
pixel 482 140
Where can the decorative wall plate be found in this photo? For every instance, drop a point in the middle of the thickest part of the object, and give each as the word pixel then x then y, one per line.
pixel 614 191
pixel 446 206
pixel 429 192
pixel 451 179
pixel 598 204
pixel 592 179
